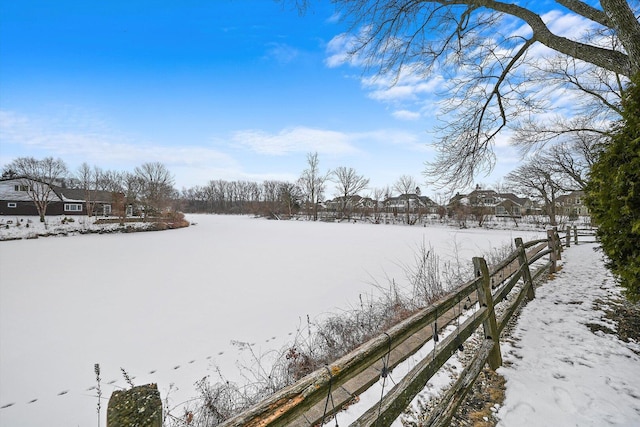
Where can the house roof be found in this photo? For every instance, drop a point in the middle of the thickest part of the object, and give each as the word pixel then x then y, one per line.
pixel 8 193
pixel 79 195
pixel 566 197
pixel 482 194
pixel 64 194
pixel 424 200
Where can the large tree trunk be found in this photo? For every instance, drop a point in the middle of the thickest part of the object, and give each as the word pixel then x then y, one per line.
pixel 627 28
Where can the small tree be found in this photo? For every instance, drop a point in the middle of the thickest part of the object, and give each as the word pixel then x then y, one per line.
pixel 88 179
pixel 405 185
pixel 537 180
pixel 37 178
pixel 312 183
pixel 290 195
pixel 348 184
pixel 377 195
pixel 156 186
pixel 613 195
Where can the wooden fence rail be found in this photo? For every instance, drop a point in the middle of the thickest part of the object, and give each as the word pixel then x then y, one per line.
pixel 306 403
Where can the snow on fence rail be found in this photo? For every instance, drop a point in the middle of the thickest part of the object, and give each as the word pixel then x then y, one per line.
pixel 306 402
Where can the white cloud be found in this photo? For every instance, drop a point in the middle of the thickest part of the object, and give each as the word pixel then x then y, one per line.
pixel 335 18
pixel 340 51
pixel 408 87
pixel 406 115
pixel 282 53
pixel 296 139
pixel 408 140
pixel 94 144
pixel 567 25
pixel 304 140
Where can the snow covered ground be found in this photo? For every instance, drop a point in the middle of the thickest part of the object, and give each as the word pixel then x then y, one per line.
pixel 29 227
pixel 171 307
pixel 559 372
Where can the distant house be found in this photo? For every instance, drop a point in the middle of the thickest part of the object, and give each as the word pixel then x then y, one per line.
pixel 15 200
pixel 572 204
pixel 490 202
pixel 339 203
pixel 351 205
pixel 413 202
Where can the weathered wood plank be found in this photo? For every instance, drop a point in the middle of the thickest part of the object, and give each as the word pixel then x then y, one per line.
pixel 290 403
pixel 442 414
pixel 399 397
pixel 508 312
pixel 524 265
pixel 485 298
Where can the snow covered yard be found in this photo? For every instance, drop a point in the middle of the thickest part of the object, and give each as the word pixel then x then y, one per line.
pixel 558 371
pixel 29 227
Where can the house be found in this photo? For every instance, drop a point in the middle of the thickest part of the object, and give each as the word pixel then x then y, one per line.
pixel 339 203
pixel 572 204
pixel 510 205
pixel 490 202
pixel 15 199
pixel 100 201
pixel 413 201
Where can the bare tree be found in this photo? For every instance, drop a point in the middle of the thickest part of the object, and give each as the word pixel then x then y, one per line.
pixel 441 200
pixel 290 195
pixel 573 159
pixel 312 183
pixel 405 185
pixel 377 195
pixel 89 179
pixel 484 49
pixel 270 191
pixel 36 178
pixel 348 184
pixel 595 93
pixel 536 180
pixel 156 186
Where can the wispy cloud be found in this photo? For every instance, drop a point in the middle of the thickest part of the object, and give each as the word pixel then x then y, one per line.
pixel 406 87
pixel 295 139
pixel 406 115
pixel 94 144
pixel 340 51
pixel 409 90
pixel 282 53
pixel 567 25
pixel 407 140
pixel 334 18
pixel 303 140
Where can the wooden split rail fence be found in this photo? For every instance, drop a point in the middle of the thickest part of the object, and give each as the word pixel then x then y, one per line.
pixel 307 402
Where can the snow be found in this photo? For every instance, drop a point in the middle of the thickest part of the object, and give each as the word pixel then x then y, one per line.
pixel 558 371
pixel 29 227
pixel 169 306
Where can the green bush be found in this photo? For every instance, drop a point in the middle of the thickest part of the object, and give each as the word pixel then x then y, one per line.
pixel 613 195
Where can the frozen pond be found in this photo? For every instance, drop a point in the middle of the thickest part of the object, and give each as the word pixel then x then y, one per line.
pixel 166 306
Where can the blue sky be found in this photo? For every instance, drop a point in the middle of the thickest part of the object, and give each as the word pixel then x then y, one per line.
pixel 224 89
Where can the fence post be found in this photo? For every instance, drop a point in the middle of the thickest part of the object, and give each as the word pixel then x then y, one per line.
pixel 553 255
pixel 557 243
pixel 490 324
pixel 524 265
pixel 568 238
pixel 575 234
pixel 139 406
